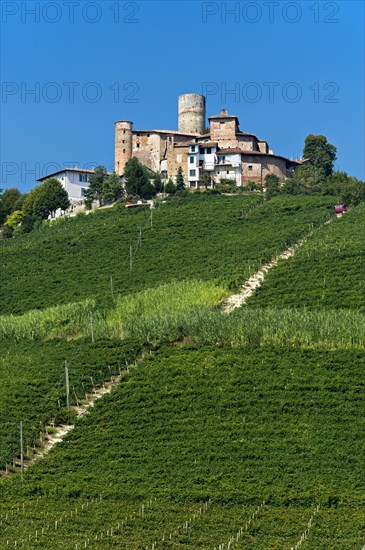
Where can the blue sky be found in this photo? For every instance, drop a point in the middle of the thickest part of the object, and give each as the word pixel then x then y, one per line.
pixel 286 69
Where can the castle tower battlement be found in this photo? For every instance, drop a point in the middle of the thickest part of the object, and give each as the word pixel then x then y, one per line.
pixel 123 145
pixel 191 113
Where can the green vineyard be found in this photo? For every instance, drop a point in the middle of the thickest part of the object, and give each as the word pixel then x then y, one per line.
pixel 222 431
pixel 221 428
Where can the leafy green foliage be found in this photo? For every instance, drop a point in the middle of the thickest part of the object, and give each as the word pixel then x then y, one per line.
pixel 205 179
pixel 158 183
pixel 350 190
pixel 45 199
pixel 272 186
pixel 320 153
pixel 138 179
pixel 112 188
pixel 10 201
pixel 327 271
pixel 217 238
pixel 170 187
pixel 227 427
pixel 95 190
pixel 180 183
pixel 33 383
pixel 14 219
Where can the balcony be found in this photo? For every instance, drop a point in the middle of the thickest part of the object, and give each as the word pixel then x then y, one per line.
pixel 208 166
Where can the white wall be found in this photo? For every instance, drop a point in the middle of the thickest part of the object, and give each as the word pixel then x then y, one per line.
pixel 70 182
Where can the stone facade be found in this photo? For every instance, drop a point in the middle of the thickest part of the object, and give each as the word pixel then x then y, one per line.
pixel 191 113
pixel 225 152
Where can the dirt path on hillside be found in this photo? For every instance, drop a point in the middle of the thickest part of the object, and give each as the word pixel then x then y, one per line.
pixel 59 432
pixel 255 281
pixel 64 429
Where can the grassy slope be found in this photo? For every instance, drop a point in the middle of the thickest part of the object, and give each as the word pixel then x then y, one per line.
pixel 235 426
pixel 328 271
pixel 209 237
pixel 33 383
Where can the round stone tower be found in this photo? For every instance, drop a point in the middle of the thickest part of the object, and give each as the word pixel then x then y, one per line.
pixel 191 113
pixel 123 145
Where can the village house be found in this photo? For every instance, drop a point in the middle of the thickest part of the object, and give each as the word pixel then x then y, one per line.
pixel 222 151
pixel 74 180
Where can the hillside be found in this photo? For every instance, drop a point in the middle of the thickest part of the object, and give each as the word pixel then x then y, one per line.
pixel 231 428
pixel 205 237
pixel 240 430
pixel 328 271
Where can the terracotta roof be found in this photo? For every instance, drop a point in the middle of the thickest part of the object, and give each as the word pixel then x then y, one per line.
pixel 249 134
pixel 253 153
pixel 222 115
pixel 207 143
pixel 184 143
pixel 204 136
pixel 232 150
pixel 250 153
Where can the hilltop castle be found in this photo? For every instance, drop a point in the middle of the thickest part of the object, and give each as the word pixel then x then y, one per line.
pixel 222 151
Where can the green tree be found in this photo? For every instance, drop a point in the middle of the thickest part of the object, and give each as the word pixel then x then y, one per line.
pixel 320 153
pixel 292 187
pixel 309 178
pixel 14 219
pixel 205 179
pixel 28 204
pixel 272 185
pixel 147 191
pixel 10 201
pixel 45 199
pixel 137 179
pixel 180 183
pixel 170 187
pixel 350 190
pixel 94 191
pixel 112 188
pixel 158 183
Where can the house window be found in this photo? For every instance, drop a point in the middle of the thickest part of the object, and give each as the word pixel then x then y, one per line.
pixel 192 173
pixel 209 150
pixel 193 148
pixel 191 160
pixel 202 150
pixel 83 178
pixel 137 145
pixel 123 150
pixel 250 167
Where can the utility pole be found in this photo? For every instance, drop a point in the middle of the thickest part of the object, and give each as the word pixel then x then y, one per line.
pixel 67 386
pixel 21 449
pixel 92 328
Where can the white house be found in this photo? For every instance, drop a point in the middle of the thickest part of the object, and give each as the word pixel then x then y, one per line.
pixel 74 180
pixel 202 158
